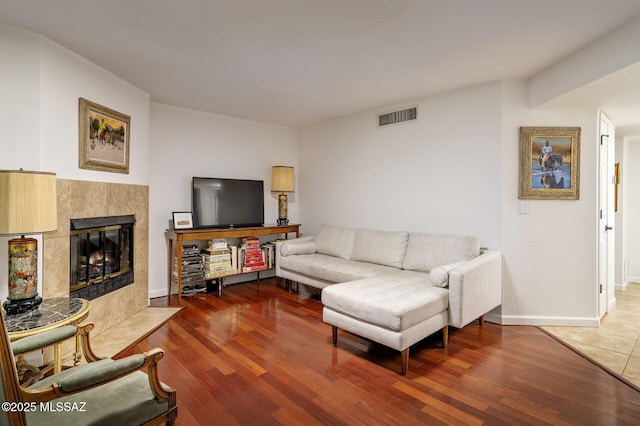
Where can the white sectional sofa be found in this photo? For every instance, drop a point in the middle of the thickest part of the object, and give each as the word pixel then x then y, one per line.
pixel 394 288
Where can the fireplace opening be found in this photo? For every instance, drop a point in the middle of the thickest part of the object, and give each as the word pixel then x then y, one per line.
pixel 101 255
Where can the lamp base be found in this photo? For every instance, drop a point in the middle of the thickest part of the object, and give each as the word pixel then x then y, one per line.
pixel 282 209
pixel 13 307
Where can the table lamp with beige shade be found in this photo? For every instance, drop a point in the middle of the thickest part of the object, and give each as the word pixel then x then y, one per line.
pixel 27 207
pixel 282 180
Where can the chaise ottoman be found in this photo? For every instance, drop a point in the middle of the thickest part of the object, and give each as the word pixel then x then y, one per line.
pixel 395 310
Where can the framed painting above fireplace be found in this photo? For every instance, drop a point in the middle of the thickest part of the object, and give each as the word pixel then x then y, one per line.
pixel 103 138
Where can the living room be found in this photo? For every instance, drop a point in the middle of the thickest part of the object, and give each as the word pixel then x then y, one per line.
pixel 48 79
pixel 454 170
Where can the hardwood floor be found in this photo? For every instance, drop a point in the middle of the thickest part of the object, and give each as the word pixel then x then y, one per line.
pixel 264 356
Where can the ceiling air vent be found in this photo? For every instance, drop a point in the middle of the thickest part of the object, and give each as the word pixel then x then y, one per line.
pixel 396 117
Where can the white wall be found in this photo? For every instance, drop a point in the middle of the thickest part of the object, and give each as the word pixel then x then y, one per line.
pixel 20 99
pixel 187 143
pixel 456 171
pixel 631 208
pixel 439 174
pixel 550 274
pixel 40 88
pixel 612 52
pixel 621 273
pixel 66 77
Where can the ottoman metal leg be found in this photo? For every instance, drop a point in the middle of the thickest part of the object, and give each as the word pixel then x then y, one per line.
pixel 334 335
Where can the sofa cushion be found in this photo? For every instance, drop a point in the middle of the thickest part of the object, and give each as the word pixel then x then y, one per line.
pixel 335 241
pixel 439 276
pixel 413 275
pixel 395 304
pixel 381 247
pixel 427 251
pixel 331 268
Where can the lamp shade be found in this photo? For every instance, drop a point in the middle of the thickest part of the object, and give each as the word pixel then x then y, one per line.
pixel 282 179
pixel 27 202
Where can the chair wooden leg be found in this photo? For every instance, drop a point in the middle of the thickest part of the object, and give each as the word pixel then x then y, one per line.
pixel 445 336
pixel 405 361
pixel 334 335
pixel 481 320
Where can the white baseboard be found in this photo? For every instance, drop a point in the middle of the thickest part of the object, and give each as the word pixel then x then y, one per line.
pixel 550 321
pixel 623 286
pixel 157 293
pixel 633 280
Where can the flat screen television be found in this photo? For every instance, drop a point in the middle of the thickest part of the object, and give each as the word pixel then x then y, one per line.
pixel 225 203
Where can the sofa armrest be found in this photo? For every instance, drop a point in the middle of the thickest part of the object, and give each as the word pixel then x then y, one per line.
pixel 475 288
pixel 290 248
pixel 299 245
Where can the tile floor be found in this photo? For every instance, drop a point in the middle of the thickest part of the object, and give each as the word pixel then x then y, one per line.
pixel 616 343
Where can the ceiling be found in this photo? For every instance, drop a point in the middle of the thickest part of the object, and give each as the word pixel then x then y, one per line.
pixel 296 62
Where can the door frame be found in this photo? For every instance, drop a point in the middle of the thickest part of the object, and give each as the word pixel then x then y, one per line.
pixel 606 215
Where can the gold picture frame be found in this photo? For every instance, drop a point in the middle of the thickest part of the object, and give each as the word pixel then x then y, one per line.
pixel 103 138
pixel 558 178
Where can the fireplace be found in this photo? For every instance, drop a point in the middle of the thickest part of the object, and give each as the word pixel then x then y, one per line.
pixel 101 255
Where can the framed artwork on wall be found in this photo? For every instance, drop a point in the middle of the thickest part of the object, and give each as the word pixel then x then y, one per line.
pixel 182 220
pixel 103 138
pixel 616 199
pixel 549 163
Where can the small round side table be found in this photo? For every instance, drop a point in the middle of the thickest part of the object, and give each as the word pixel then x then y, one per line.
pixel 52 313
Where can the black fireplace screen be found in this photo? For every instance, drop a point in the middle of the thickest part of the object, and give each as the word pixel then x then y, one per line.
pixel 101 255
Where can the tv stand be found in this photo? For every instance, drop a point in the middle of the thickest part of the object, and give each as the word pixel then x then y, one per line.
pixel 181 236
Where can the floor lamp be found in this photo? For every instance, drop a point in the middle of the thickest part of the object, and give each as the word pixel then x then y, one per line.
pixel 282 180
pixel 27 206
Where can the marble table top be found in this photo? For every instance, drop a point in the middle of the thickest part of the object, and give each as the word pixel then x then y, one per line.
pixel 51 313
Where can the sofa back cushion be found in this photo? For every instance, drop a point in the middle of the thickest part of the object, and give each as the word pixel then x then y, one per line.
pixel 427 251
pixel 335 241
pixel 381 247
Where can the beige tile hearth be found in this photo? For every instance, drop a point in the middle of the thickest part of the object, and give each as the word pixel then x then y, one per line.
pixel 114 340
pixel 117 338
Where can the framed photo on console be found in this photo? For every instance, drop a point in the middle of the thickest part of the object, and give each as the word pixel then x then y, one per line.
pixel 182 220
pixel 549 163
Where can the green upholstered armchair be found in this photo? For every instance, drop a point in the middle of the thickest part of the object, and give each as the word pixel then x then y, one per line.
pixel 101 392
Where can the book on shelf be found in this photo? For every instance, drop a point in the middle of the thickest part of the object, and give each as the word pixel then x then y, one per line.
pixel 250 255
pixel 269 254
pixel 192 267
pixel 190 289
pixel 219 262
pixel 218 243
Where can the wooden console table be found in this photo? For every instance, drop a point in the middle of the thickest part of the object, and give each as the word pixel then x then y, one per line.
pixel 182 236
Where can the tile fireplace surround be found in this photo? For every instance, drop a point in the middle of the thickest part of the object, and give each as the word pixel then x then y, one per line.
pixel 84 199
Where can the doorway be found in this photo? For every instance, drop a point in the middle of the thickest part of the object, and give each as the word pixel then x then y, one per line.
pixel 606 219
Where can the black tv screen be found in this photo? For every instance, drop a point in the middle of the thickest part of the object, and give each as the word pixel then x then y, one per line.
pixel 223 203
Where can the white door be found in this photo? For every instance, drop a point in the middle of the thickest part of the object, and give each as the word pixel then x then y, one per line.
pixel 606 250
